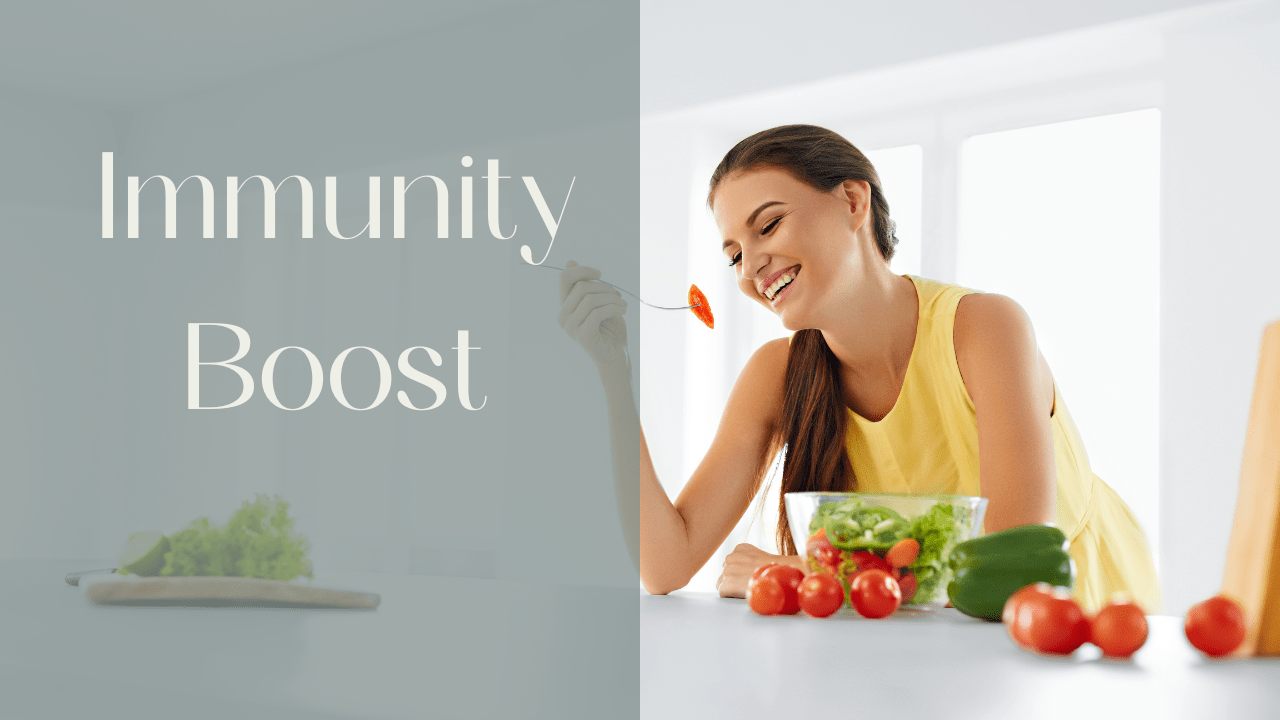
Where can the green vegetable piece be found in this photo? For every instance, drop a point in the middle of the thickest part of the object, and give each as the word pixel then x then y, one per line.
pixel 143 554
pixel 1012 541
pixel 989 569
pixel 937 531
pixel 848 523
pixel 258 541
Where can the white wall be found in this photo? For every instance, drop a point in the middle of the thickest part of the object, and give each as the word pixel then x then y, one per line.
pixel 696 52
pixel 1221 256
pixel 1212 74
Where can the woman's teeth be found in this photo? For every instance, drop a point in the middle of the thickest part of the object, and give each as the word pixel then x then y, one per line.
pixel 772 291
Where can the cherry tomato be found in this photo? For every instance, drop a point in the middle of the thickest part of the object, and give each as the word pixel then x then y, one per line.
pixel 1216 626
pixel 759 571
pixel 903 553
pixel 907 583
pixel 822 552
pixel 1052 622
pixel 1017 624
pixel 789 579
pixel 871 561
pixel 1119 629
pixel 820 595
pixel 874 593
pixel 827 557
pixel 766 597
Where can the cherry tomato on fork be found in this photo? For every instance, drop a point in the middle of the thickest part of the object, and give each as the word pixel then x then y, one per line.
pixel 700 307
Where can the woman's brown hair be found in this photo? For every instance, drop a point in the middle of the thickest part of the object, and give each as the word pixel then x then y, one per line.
pixel 813 410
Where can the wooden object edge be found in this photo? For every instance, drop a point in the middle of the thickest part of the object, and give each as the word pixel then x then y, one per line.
pixel 1252 574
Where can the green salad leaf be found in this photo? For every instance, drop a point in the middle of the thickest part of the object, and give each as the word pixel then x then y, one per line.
pixel 258 541
pixel 937 531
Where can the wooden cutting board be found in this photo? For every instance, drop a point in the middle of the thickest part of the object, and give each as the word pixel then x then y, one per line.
pixel 1252 576
pixel 224 592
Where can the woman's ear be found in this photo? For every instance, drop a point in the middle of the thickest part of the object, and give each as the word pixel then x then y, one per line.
pixel 856 194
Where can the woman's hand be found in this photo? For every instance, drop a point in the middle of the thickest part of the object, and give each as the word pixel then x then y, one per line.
pixel 591 312
pixel 743 561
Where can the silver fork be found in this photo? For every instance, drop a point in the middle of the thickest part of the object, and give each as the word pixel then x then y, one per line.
pixel 73 578
pixel 615 287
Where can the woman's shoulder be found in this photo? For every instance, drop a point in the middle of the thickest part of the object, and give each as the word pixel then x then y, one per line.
pixel 990 319
pixel 994 341
pixel 774 353
pixel 768 364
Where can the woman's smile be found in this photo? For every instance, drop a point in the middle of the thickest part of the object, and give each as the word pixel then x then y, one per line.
pixel 780 288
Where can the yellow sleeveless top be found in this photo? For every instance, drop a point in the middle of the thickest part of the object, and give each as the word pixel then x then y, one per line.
pixel 928 444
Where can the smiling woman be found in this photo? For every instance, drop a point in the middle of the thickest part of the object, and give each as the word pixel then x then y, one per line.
pixel 889 383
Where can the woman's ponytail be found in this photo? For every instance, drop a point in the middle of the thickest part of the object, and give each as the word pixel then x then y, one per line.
pixel 813 426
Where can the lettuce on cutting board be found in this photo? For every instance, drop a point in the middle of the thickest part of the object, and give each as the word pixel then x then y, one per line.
pixel 258 541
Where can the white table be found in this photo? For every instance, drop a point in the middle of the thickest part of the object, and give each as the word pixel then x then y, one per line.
pixel 707 657
pixel 463 648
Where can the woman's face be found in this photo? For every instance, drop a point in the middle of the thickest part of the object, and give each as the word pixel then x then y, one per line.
pixel 794 249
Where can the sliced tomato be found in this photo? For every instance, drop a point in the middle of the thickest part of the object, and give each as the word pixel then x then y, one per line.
pixel 700 307
pixel 903 553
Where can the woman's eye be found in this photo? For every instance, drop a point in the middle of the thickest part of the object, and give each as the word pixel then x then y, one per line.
pixel 769 228
pixel 735 260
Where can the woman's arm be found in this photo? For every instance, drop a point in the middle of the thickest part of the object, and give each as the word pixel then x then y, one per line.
pixel 1012 392
pixel 675 539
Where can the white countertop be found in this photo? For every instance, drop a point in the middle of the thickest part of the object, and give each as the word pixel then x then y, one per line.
pixel 460 648
pixel 703 656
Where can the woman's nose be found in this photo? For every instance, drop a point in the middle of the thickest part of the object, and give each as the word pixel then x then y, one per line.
pixel 753 262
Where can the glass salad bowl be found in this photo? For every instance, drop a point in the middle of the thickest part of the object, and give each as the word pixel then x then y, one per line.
pixel 841 533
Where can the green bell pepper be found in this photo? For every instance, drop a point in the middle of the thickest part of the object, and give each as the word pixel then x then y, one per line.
pixel 987 570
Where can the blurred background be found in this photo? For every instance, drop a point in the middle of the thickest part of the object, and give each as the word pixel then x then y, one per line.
pixel 96 440
pixel 1106 163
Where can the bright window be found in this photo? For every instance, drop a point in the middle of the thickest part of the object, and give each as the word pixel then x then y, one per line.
pixel 899 169
pixel 1064 219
